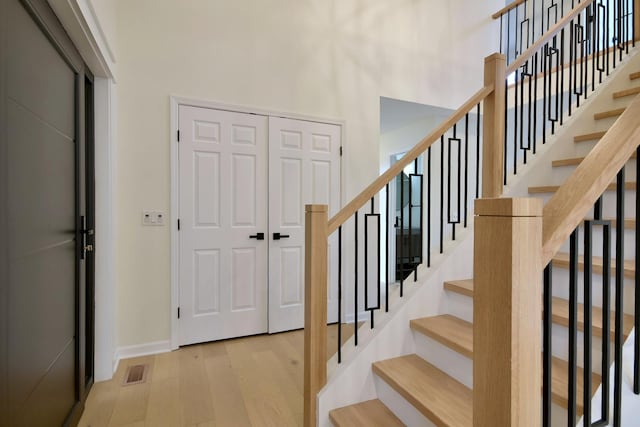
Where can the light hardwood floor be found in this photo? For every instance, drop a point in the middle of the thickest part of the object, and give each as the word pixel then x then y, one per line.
pixel 252 381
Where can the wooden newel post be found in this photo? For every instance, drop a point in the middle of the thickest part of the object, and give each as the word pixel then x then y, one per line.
pixel 636 20
pixel 507 308
pixel 493 126
pixel 315 308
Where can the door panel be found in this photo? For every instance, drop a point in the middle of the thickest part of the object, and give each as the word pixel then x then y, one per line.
pixel 304 168
pixel 42 148
pixel 222 202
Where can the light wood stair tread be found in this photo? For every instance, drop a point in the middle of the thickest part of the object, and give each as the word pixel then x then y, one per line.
pixel 634 76
pixel 457 334
pixel 560 315
pixel 440 398
pixel 372 413
pixel 561 259
pixel 626 92
pixel 553 188
pixel 610 113
pixel 573 161
pixel 589 136
pixel 560 384
pixel 464 287
pixel 448 330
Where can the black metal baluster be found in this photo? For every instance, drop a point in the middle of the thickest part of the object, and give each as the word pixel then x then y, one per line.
pixel 466 166
pixel 515 124
pixel 478 152
pixel 617 382
pixel 355 283
pixel 417 258
pixel 340 294
pixel 606 321
pixel 535 101
pixel 367 307
pixel 386 254
pixel 636 340
pixel 506 134
pixel 560 69
pixel 401 244
pixel 429 207
pixel 453 220
pixel 587 332
pixel 546 346
pixel 441 193
pixel 573 329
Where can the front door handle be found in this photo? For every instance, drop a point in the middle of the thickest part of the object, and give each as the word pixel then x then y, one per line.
pixel 258 236
pixel 278 236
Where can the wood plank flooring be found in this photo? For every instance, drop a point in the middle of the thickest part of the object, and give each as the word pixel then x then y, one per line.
pixel 252 381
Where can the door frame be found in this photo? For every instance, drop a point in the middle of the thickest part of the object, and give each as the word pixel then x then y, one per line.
pixel 175 102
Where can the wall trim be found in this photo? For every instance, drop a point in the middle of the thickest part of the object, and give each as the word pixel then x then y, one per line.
pixel 138 350
pixel 175 102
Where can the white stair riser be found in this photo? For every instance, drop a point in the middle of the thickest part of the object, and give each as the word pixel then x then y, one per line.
pixel 406 412
pixel 460 306
pixel 560 288
pixel 444 358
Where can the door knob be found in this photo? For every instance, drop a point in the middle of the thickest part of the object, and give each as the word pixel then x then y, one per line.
pixel 258 236
pixel 278 236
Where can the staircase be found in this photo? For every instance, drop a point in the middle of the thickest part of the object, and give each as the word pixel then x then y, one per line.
pixel 414 389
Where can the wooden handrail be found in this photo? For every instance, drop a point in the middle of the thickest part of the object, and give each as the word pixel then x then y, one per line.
pixel 524 57
pixel 571 203
pixel 507 8
pixel 345 213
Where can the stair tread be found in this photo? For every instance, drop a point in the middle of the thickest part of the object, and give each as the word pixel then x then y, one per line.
pixel 464 287
pixel 457 334
pixel 372 413
pixel 589 136
pixel 560 315
pixel 561 259
pixel 626 92
pixel 634 76
pixel 574 161
pixel 609 113
pixel 449 330
pixel 440 398
pixel 553 188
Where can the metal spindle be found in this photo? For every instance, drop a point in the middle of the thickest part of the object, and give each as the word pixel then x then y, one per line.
pixel 636 339
pixel 587 330
pixel 340 294
pixel 617 382
pixel 355 282
pixel 546 346
pixel 573 329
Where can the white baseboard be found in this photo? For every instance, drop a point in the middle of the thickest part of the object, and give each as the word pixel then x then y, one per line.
pixel 138 350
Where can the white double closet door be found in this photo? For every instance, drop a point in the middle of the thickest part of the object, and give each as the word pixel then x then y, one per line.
pixel 243 182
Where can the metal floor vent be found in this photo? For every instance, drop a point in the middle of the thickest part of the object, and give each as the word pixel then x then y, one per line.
pixel 136 374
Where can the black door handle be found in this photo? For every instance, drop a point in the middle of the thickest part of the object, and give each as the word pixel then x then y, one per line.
pixel 278 236
pixel 259 236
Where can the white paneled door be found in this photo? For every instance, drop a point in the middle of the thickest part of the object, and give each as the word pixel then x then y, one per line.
pixel 241 262
pixel 223 208
pixel 304 168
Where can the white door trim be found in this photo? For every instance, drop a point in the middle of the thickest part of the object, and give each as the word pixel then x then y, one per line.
pixel 175 102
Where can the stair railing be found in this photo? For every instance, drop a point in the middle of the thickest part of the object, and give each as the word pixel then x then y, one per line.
pixel 476 126
pixel 514 240
pixel 491 107
pixel 555 74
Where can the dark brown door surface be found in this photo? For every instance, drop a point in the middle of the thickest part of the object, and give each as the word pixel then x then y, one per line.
pixel 42 165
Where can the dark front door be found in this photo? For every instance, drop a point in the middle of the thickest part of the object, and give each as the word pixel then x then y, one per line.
pixel 45 316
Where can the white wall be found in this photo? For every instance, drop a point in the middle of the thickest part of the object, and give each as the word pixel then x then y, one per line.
pixel 324 58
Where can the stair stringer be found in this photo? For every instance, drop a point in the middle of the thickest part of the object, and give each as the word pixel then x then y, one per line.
pixel 353 380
